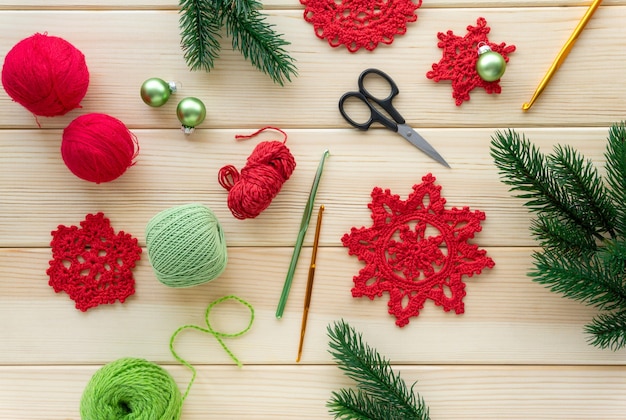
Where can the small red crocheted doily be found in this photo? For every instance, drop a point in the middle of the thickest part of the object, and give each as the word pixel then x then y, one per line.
pixel 460 55
pixel 416 250
pixel 359 23
pixel 93 264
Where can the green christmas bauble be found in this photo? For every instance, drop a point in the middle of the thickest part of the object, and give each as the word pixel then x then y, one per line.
pixel 155 92
pixel 191 112
pixel 490 65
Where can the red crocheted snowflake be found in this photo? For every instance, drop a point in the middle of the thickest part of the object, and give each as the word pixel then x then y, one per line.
pixel 460 55
pixel 359 23
pixel 93 264
pixel 416 250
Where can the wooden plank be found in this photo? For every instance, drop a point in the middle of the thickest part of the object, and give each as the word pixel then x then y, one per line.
pixel 311 100
pixel 39 192
pixel 269 392
pixel 508 319
pixel 267 4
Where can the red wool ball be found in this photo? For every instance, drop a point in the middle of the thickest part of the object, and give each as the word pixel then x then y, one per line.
pixel 252 191
pixel 98 147
pixel 45 74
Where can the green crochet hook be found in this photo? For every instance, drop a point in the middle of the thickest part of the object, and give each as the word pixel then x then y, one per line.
pixel 306 218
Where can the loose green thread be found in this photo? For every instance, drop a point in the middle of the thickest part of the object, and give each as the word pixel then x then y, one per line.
pixel 217 334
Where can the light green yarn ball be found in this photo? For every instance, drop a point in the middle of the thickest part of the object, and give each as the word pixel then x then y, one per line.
pixel 186 245
pixel 131 389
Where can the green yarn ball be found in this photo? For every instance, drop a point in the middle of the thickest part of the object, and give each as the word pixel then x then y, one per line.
pixel 131 389
pixel 186 245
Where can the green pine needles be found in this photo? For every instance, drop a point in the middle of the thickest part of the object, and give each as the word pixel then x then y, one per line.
pixel 580 224
pixel 201 22
pixel 381 394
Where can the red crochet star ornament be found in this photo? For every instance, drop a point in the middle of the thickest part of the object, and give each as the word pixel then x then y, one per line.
pixel 359 23
pixel 93 264
pixel 416 250
pixel 460 55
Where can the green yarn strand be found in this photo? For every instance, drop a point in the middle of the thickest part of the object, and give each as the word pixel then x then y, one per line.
pixel 131 389
pixel 217 334
pixel 186 245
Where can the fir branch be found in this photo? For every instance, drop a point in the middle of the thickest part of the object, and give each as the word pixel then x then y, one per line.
pixel 616 171
pixel 374 376
pixel 200 22
pixel 563 236
pixel 608 330
pixel 527 170
pixel 258 42
pixel 583 184
pixel 585 279
pixel 348 404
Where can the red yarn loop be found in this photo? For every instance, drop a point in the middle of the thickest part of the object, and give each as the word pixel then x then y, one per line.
pixel 45 74
pixel 98 147
pixel 251 190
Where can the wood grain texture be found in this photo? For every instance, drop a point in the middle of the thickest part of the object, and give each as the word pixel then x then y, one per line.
pixel 518 352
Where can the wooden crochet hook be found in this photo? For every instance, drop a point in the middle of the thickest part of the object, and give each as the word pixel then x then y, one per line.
pixel 309 283
pixel 560 58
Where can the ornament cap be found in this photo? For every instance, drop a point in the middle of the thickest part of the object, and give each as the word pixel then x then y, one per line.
pixel 483 48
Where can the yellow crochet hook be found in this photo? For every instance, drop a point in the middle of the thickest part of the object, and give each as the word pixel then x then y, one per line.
pixel 309 283
pixel 560 58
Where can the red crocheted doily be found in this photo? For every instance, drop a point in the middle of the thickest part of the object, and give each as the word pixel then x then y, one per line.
pixel 93 264
pixel 359 23
pixel 416 250
pixel 460 55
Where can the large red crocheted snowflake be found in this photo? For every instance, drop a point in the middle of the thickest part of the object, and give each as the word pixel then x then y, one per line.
pixel 416 250
pixel 359 23
pixel 460 55
pixel 93 264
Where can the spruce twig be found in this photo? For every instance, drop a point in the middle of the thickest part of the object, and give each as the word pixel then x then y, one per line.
pixel 201 23
pixel 380 391
pixel 581 224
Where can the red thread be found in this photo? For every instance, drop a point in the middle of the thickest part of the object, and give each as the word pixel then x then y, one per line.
pixel 460 55
pixel 98 147
pixel 45 74
pixel 359 23
pixel 268 167
pixel 416 250
pixel 93 264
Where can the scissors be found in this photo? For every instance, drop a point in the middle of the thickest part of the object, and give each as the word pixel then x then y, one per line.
pixel 396 123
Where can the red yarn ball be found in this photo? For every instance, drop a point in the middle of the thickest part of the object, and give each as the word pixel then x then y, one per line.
pixel 98 147
pixel 252 191
pixel 45 74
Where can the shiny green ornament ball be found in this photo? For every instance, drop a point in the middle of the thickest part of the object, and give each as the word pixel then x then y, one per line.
pixel 155 92
pixel 191 112
pixel 490 65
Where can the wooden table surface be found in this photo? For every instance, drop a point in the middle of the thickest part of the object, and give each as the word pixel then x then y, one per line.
pixel 519 350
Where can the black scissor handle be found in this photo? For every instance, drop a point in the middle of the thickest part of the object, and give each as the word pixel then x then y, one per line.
pixel 373 113
pixel 385 103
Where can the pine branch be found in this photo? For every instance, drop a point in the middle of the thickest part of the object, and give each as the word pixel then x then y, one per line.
pixel 563 236
pixel 585 279
pixel 583 184
pixel 527 170
pixel 200 22
pixel 616 172
pixel 348 404
pixel 608 330
pixel 258 43
pixel 374 376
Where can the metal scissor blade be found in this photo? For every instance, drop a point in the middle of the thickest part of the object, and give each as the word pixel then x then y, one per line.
pixel 418 141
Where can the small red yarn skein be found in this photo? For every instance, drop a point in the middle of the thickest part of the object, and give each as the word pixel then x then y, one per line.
pixel 45 74
pixel 98 147
pixel 267 168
